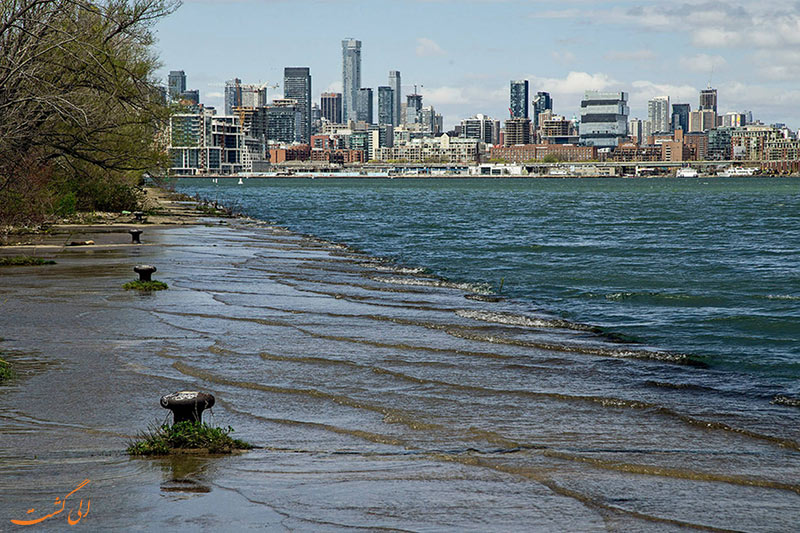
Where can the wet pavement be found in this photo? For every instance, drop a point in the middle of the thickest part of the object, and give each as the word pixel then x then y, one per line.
pixel 378 399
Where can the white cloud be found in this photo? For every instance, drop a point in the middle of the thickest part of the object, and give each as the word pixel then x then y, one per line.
pixel 644 90
pixel 214 95
pixel 574 83
pixel 703 63
pixel 709 23
pixel 428 48
pixel 717 38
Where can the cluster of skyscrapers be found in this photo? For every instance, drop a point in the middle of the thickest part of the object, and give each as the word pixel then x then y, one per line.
pixel 364 123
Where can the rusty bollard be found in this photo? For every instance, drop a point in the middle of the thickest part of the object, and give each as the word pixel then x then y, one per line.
pixel 187 405
pixel 144 271
pixel 135 233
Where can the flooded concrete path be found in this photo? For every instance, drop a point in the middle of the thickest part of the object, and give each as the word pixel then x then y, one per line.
pixel 379 398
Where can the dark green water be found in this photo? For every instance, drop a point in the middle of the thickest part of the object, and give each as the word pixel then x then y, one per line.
pixel 705 267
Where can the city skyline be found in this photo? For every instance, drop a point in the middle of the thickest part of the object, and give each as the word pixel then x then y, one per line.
pixel 648 50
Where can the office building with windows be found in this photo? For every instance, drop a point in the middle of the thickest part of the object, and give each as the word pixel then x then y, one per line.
pixel 364 105
pixel 331 107
pixel 351 77
pixel 680 116
pixel 658 114
pixel 541 104
pixel 176 83
pixel 297 86
pixel 386 105
pixel 518 99
pixel 604 118
pixel 394 83
pixel 708 100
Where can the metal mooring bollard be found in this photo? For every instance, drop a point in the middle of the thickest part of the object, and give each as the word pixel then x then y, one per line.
pixel 187 405
pixel 135 233
pixel 144 271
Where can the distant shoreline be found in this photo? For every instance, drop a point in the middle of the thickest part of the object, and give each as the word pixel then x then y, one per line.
pixel 470 177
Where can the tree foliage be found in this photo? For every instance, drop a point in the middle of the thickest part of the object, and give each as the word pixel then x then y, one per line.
pixel 79 105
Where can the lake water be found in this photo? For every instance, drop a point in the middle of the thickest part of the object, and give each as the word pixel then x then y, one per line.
pixel 707 268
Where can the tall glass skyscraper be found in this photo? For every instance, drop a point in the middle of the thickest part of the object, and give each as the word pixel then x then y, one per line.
pixel 394 83
pixel 364 105
pixel 297 85
pixel 385 105
pixel 351 77
pixel 518 102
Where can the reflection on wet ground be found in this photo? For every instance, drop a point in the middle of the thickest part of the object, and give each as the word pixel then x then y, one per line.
pixel 379 398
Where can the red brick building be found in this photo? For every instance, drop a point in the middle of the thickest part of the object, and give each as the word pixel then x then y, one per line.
pixel 299 152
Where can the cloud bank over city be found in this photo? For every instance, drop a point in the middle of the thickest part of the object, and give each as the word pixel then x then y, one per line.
pixel 462 55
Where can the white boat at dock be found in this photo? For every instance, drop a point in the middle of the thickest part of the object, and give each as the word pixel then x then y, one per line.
pixel 686 172
pixel 731 172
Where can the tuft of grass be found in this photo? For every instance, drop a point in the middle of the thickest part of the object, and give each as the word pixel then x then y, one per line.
pixel 24 260
pixel 6 372
pixel 145 285
pixel 163 440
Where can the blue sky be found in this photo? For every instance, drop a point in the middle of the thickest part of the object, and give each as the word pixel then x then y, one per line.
pixel 464 53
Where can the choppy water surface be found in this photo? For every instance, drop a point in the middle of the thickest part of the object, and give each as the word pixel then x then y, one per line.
pixel 639 372
pixel 708 268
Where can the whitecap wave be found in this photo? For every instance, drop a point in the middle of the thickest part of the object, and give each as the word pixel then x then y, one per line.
pixel 480 288
pixel 520 320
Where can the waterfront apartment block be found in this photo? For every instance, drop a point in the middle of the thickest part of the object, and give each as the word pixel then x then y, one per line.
pixel 604 118
pixel 443 149
pixel 202 143
pixel 526 153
